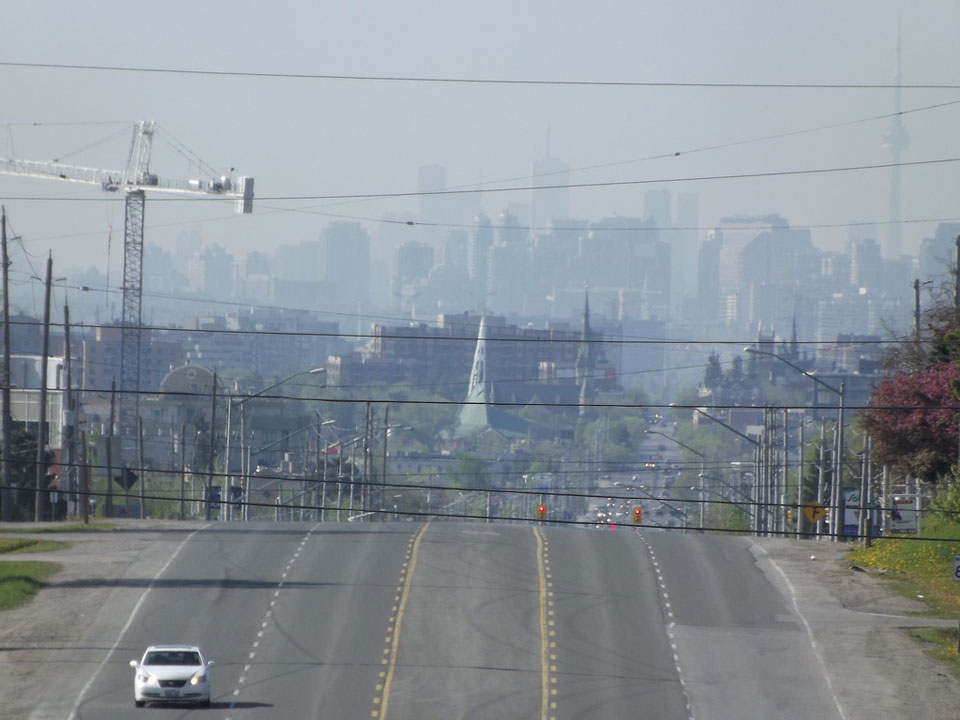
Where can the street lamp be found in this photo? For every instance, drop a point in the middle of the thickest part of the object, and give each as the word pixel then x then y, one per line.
pixel 702 468
pixel 836 521
pixel 225 507
pixel 719 495
pixel 759 518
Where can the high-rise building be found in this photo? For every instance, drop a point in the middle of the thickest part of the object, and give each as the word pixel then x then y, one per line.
pixel 547 206
pixel 683 246
pixel 938 253
pixel 866 265
pixel 478 258
pixel 346 252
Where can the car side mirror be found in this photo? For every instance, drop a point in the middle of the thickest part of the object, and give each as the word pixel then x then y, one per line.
pixel 211 663
pixel 134 664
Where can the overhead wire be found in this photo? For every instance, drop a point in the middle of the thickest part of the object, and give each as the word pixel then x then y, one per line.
pixel 479 80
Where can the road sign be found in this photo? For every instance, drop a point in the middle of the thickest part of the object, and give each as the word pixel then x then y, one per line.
pixel 956 568
pixel 814 511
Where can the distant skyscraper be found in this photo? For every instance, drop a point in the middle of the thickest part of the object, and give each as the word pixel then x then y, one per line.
pixel 414 261
pixel 866 265
pixel 346 251
pixel 683 258
pixel 478 258
pixel 431 179
pixel 657 205
pixel 553 204
pixel 895 140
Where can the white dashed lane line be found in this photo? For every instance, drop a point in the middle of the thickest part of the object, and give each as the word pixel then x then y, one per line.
pixel 668 612
pixel 267 619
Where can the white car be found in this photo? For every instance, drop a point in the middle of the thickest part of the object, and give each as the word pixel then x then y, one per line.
pixel 172 673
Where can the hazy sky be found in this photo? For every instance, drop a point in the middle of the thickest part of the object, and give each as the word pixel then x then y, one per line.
pixel 309 137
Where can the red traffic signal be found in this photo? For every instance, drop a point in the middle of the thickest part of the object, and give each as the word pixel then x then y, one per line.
pixel 637 515
pixel 541 512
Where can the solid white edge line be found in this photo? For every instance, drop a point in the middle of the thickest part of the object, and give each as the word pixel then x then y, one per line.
pixel 810 636
pixel 133 614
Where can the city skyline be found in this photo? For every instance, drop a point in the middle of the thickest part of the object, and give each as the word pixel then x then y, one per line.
pixel 305 136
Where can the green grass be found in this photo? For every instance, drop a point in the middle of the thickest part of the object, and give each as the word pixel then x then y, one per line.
pixel 940 644
pixel 922 569
pixel 10 545
pixel 20 581
pixel 55 528
pixel 919 567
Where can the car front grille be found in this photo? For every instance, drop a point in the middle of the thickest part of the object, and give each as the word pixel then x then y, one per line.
pixel 172 683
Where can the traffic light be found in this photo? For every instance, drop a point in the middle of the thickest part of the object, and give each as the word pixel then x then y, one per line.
pixel 637 515
pixel 789 515
pixel 541 512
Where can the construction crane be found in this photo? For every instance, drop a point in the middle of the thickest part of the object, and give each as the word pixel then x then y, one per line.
pixel 134 181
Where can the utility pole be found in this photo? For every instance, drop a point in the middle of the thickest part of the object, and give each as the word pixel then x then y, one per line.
pixel 956 292
pixel 84 480
pixel 113 407
pixel 140 469
pixel 383 466
pixel 227 477
pixel 6 494
pixel 916 312
pixel 41 485
pixel 820 477
pixel 183 469
pixel 213 428
pixel 69 433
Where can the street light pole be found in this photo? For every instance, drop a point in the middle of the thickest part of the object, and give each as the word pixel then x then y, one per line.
pixel 836 514
pixel 758 464
pixel 239 403
pixel 702 457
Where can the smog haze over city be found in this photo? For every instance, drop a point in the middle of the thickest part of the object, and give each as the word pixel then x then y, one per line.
pixel 676 117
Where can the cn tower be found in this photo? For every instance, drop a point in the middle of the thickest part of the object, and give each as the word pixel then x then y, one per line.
pixel 895 140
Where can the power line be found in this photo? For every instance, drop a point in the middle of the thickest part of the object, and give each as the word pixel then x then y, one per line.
pixel 571 338
pixel 479 81
pixel 528 188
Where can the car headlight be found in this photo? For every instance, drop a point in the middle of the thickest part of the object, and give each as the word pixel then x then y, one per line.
pixel 198 678
pixel 147 679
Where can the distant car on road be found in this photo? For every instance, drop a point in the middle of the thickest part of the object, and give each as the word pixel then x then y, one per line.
pixel 172 673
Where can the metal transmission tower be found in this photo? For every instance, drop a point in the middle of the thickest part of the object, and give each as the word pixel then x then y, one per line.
pixel 134 180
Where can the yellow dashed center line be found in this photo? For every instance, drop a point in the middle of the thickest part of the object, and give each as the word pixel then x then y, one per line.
pixel 393 638
pixel 546 680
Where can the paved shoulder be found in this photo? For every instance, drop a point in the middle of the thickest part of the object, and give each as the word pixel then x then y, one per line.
pixel 70 626
pixel 857 624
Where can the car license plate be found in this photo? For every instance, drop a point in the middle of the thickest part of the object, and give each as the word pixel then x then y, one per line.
pixel 171 693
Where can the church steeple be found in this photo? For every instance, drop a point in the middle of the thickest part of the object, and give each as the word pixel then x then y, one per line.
pixel 586 362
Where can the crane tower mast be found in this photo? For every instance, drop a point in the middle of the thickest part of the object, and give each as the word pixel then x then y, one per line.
pixel 134 180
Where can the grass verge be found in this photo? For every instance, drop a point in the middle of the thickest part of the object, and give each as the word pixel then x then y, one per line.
pixel 923 569
pixel 54 528
pixel 10 545
pixel 20 581
pixel 940 644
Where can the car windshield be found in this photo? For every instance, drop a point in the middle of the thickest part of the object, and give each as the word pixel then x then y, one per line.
pixel 172 657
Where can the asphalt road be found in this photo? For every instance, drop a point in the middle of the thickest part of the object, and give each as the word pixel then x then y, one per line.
pixel 468 620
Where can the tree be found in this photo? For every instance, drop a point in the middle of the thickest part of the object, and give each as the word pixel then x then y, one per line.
pixel 913 422
pixel 735 375
pixel 912 417
pixel 713 375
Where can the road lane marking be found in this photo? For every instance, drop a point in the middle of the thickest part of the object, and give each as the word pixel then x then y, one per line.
pixel 671 640
pixel 814 643
pixel 133 613
pixel 396 621
pixel 546 642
